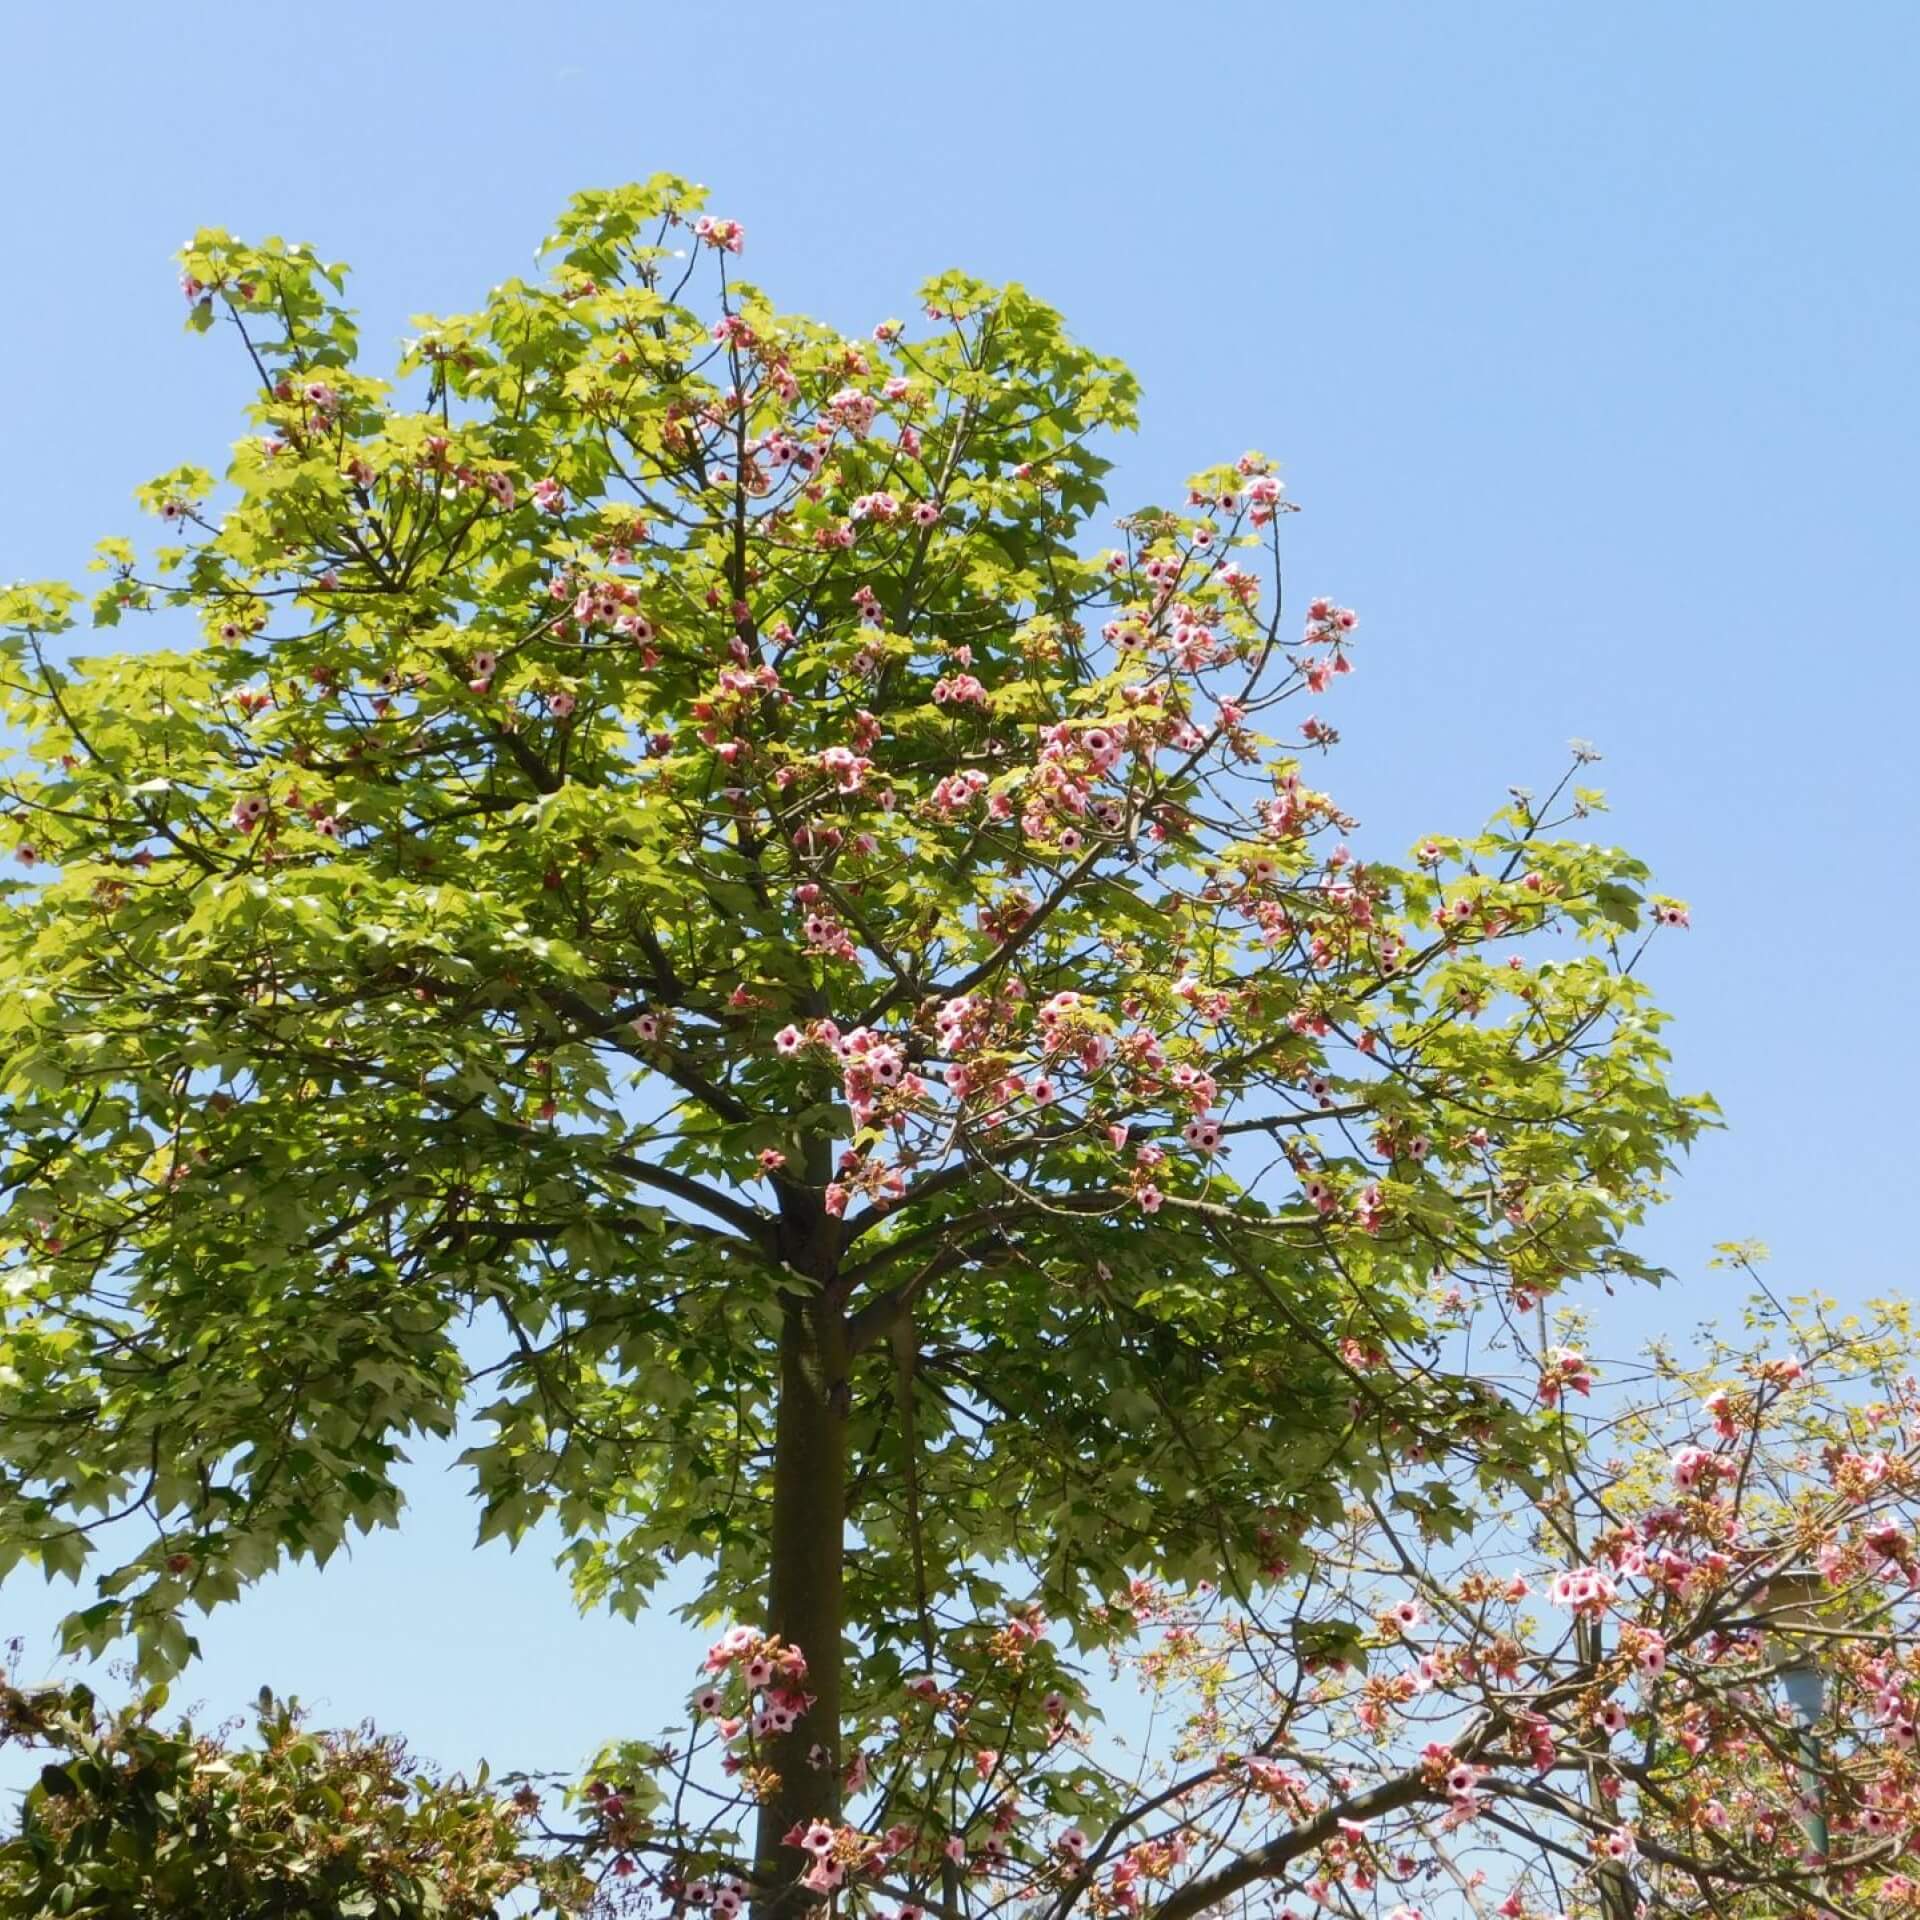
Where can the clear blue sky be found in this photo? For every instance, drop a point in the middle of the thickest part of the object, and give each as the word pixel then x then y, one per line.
pixel 1586 334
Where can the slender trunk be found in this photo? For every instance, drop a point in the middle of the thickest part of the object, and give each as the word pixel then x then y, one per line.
pixel 1618 1898
pixel 805 1603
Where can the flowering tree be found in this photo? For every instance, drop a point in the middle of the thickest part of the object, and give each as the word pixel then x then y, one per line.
pixel 1687 1682
pixel 660 889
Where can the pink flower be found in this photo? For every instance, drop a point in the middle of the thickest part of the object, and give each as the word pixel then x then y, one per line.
pixel 960 690
pixel 1564 1370
pixel 1369 1207
pixel 1688 1465
pixel 789 1040
pixel 727 235
pixel 1583 1589
pixel 1150 1198
pixel 853 409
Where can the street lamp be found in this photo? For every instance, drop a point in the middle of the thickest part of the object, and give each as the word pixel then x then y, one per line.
pixel 1790 1613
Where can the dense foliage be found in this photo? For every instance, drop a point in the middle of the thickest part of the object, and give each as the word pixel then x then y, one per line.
pixel 135 1820
pixel 659 889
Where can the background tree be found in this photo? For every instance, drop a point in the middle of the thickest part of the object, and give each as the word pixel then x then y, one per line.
pixel 660 893
pixel 133 1820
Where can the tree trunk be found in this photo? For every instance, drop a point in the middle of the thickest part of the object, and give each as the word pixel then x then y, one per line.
pixel 805 1603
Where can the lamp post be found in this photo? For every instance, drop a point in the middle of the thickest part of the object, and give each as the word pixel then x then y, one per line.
pixel 1793 1600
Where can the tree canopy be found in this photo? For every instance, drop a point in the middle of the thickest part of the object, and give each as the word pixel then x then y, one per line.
pixel 132 1819
pixel 670 885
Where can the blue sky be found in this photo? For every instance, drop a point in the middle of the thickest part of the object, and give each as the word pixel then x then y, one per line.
pixel 1585 336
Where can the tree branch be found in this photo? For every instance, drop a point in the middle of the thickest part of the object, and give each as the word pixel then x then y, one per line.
pixel 1280 1853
